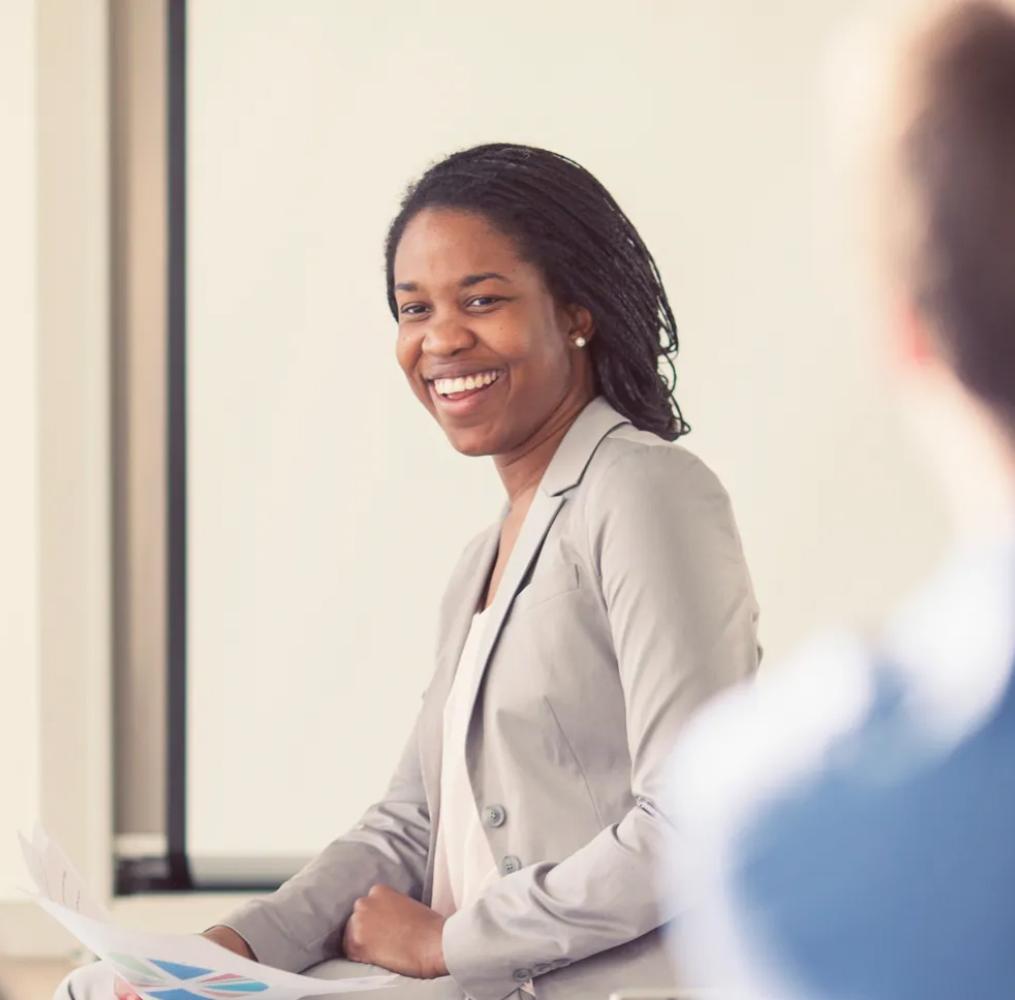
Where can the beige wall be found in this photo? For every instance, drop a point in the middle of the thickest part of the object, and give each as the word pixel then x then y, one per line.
pixel 19 610
pixel 54 395
pixel 139 151
pixel 326 509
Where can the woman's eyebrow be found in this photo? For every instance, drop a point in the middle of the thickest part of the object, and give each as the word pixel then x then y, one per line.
pixel 466 282
pixel 475 279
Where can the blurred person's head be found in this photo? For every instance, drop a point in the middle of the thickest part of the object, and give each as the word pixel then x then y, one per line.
pixel 522 290
pixel 947 220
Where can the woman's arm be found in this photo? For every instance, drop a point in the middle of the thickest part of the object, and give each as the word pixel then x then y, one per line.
pixel 301 923
pixel 682 614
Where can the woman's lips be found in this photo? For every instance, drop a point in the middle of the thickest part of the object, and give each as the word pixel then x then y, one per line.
pixel 448 385
pixel 461 403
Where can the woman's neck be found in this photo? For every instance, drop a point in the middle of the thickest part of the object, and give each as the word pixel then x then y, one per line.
pixel 522 469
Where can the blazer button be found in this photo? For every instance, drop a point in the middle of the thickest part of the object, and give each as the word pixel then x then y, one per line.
pixel 523 975
pixel 494 816
pixel 507 866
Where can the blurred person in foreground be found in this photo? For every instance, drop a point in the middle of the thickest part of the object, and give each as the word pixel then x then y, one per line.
pixel 848 825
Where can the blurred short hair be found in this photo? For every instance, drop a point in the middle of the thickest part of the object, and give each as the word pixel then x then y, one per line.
pixel 951 197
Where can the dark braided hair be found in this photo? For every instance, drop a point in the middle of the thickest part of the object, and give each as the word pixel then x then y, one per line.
pixel 566 223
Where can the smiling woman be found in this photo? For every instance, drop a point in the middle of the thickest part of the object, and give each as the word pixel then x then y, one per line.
pixel 569 257
pixel 517 844
pixel 471 308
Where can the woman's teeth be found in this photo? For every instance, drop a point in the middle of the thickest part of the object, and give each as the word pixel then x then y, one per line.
pixel 449 386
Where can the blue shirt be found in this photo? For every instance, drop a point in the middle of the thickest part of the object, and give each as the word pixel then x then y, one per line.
pixel 849 826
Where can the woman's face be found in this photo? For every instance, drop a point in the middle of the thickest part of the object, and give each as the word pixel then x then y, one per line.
pixel 481 340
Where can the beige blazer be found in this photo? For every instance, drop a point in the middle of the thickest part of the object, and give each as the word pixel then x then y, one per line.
pixel 626 603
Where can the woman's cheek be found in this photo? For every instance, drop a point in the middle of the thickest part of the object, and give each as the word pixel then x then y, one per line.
pixel 407 351
pixel 407 356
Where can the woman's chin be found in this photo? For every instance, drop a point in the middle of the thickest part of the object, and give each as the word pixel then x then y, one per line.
pixel 472 441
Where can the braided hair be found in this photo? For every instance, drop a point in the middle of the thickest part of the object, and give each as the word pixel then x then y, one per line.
pixel 566 223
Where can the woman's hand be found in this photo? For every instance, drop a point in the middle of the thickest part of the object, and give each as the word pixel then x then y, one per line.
pixel 396 932
pixel 122 990
pixel 225 937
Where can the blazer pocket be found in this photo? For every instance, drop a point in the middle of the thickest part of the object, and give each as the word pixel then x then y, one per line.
pixel 546 585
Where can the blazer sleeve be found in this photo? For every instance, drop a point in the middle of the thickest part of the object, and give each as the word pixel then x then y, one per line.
pixel 683 617
pixel 301 923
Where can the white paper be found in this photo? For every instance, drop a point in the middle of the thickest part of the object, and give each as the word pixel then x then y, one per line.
pixel 165 966
pixel 55 877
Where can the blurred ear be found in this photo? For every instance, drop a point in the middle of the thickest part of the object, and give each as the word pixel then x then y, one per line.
pixel 912 343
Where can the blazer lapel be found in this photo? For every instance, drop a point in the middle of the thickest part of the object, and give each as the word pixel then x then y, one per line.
pixel 565 471
pixel 537 522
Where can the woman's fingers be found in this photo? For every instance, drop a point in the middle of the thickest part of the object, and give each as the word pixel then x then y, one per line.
pixel 122 990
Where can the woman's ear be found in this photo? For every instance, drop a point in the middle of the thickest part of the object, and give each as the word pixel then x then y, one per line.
pixel 579 324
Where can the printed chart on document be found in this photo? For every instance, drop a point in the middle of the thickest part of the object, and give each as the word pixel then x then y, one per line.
pixel 164 966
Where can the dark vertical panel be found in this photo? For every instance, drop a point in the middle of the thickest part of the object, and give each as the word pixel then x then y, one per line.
pixel 179 871
pixel 119 408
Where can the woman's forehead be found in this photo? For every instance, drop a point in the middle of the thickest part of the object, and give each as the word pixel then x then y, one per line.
pixel 439 242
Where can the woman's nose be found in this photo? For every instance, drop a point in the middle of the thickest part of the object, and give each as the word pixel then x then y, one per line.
pixel 447 335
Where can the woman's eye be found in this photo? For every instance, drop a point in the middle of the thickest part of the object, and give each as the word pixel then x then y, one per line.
pixel 483 300
pixel 413 309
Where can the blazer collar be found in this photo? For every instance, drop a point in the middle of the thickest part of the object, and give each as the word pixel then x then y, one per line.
pixel 575 451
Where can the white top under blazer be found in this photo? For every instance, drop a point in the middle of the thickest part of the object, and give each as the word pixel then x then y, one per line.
pixel 464 864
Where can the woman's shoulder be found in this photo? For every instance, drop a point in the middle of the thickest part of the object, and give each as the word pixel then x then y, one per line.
pixel 636 463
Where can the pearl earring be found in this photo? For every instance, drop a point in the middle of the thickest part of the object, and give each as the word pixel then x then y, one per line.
pixel 580 341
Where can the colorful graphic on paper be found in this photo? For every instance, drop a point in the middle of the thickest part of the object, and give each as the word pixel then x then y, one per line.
pixel 174 981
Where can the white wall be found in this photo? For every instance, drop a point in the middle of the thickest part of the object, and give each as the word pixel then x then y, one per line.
pixel 19 542
pixel 326 510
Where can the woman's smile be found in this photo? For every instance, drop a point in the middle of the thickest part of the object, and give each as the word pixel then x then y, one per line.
pixel 458 395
